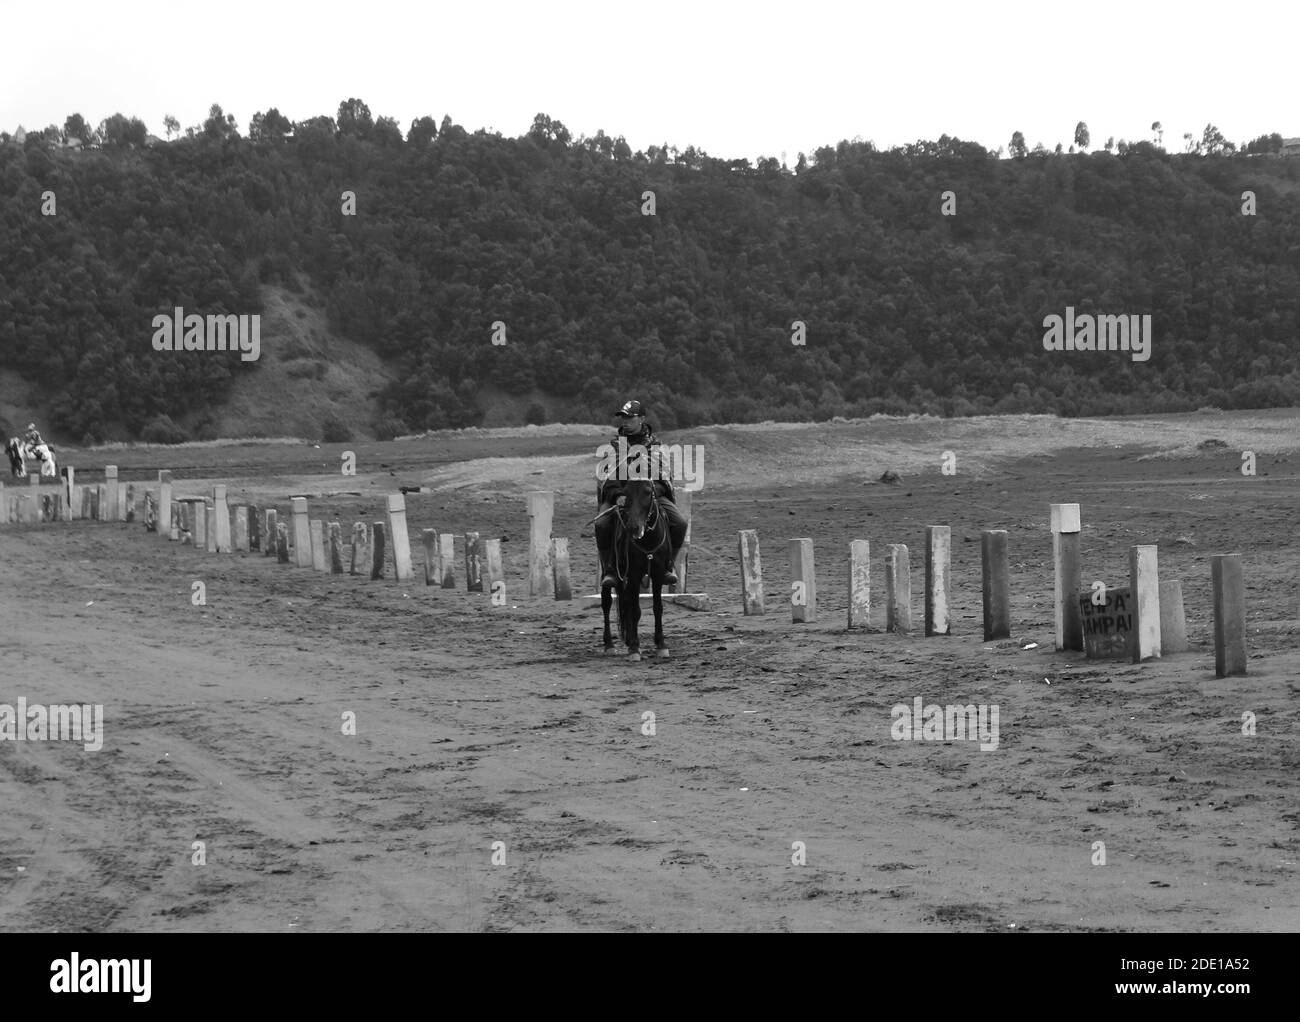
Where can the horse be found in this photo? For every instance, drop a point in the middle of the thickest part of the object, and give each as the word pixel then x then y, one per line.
pixel 641 546
pixel 20 452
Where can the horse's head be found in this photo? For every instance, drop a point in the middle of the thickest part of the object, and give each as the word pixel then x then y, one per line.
pixel 640 511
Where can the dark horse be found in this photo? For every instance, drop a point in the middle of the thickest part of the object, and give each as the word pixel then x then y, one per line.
pixel 641 546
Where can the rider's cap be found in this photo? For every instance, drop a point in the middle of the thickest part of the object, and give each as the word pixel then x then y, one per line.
pixel 629 409
pixel 31 425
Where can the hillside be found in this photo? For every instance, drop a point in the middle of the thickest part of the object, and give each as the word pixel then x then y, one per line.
pixel 381 323
pixel 307 380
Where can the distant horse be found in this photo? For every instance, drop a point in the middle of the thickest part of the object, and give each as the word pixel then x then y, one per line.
pixel 641 546
pixel 20 452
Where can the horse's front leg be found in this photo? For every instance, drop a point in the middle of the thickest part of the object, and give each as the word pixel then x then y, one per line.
pixel 607 598
pixel 632 593
pixel 661 645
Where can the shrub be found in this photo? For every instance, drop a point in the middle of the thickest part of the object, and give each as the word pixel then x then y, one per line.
pixel 535 415
pixel 334 430
pixel 390 426
pixel 162 430
pixel 206 429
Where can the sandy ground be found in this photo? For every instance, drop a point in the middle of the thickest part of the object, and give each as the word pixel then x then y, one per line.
pixel 475 725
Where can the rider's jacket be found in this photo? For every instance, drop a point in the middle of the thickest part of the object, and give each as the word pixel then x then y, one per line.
pixel 646 438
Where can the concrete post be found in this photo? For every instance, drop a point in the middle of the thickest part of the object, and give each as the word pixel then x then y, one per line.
pixel 1144 584
pixel 751 573
pixel 1229 615
pixel 377 550
pixel 301 532
pixel 859 584
pixel 1173 625
pixel 69 475
pixel 995 573
pixel 429 537
pixel 938 579
pixel 560 566
pixel 336 548
pixel 474 563
pixel 271 532
pixel 221 520
pixel 541 512
pixel 165 496
pixel 492 565
pixel 401 540
pixel 447 559
pixel 110 512
pixel 316 529
pixel 360 551
pixel 1066 527
pixel 898 589
pixel 803 590
pixel 683 555
pixel 199 527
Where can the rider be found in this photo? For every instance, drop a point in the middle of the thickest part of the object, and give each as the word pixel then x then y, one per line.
pixel 634 429
pixel 32 438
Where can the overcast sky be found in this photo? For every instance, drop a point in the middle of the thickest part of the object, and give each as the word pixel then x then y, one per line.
pixel 743 79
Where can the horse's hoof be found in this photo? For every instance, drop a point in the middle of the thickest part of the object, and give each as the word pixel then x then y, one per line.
pixel 634 657
pixel 663 653
pixel 608 650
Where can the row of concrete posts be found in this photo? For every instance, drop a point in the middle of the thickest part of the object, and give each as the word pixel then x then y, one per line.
pixel 1149 624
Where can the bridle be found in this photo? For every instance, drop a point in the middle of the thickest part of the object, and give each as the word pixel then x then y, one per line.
pixel 655 526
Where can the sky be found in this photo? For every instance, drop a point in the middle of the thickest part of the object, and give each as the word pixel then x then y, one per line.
pixel 737 79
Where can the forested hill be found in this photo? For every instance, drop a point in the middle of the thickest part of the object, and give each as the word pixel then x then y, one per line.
pixel 690 309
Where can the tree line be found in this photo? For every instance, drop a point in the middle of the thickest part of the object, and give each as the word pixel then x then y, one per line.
pixel 691 309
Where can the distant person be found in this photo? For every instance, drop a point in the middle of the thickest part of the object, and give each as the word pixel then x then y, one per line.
pixel 32 438
pixel 634 428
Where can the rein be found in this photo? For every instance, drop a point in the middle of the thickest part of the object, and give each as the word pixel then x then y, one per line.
pixel 655 525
